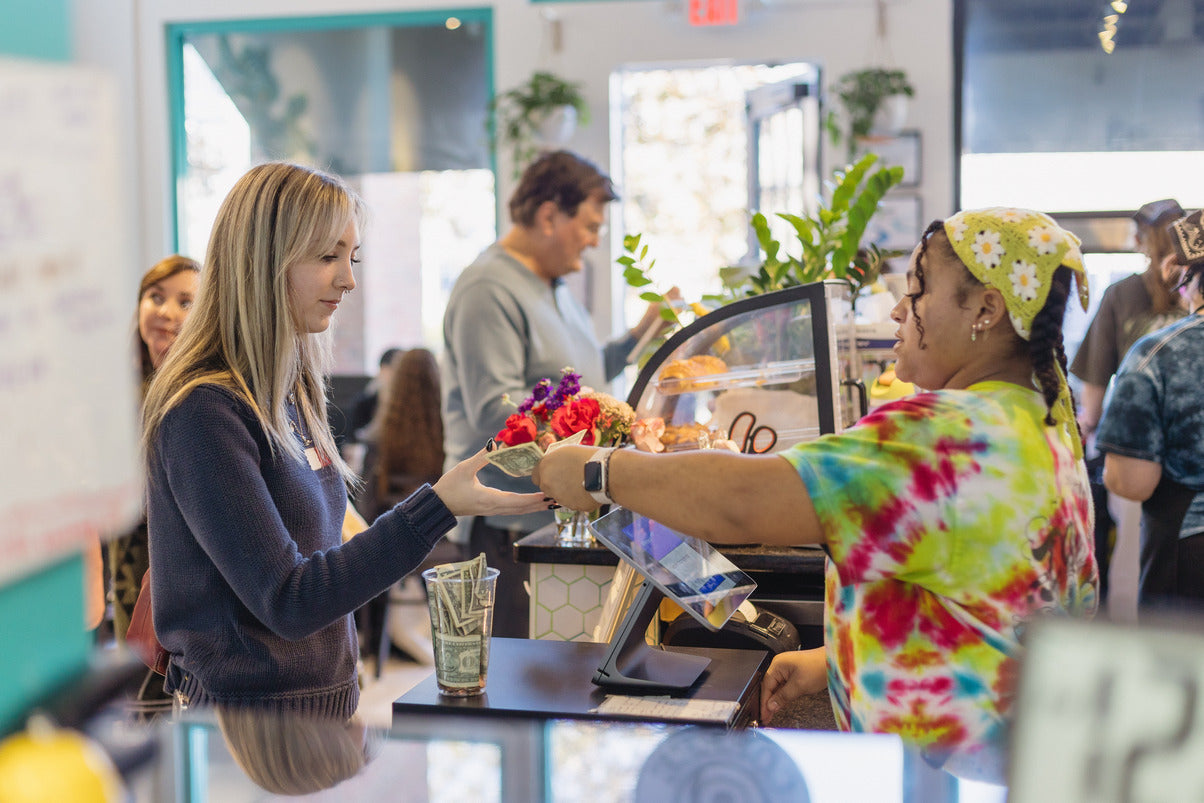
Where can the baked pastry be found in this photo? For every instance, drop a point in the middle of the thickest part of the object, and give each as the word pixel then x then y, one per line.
pixel 688 371
pixel 684 436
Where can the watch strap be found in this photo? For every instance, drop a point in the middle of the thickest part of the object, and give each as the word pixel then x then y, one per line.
pixel 602 495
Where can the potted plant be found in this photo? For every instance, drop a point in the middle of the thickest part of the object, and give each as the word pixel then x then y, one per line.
pixel 830 242
pixel 543 111
pixel 873 98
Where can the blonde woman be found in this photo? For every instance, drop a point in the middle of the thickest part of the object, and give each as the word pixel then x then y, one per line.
pixel 253 588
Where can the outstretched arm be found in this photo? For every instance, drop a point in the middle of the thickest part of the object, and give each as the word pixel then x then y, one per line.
pixel 464 494
pixel 712 494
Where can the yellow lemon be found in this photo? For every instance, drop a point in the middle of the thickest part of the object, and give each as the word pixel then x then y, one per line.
pixel 45 763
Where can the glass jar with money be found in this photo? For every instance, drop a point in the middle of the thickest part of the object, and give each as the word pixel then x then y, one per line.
pixel 460 597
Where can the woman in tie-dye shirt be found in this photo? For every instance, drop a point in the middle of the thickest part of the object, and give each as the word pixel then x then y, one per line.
pixel 951 518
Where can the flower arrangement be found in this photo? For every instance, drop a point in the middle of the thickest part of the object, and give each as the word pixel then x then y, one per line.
pixel 552 414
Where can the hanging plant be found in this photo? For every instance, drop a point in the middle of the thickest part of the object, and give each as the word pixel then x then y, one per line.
pixel 516 115
pixel 862 93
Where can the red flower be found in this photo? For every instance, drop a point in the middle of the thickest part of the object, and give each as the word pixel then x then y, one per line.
pixel 577 415
pixel 539 411
pixel 519 429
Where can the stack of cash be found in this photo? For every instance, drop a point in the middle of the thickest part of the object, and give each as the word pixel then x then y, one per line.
pixel 460 597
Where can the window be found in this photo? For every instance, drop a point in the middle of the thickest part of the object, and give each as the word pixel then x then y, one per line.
pixel 682 148
pixel 1050 120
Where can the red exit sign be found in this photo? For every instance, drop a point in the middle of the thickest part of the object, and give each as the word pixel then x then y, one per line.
pixel 714 12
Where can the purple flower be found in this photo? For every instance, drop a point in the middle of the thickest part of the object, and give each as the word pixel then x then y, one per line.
pixel 569 386
pixel 538 394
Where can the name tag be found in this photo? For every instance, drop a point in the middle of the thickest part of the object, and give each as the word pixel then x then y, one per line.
pixel 315 460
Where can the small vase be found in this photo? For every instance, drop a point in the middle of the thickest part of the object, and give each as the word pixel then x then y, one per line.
pixel 572 527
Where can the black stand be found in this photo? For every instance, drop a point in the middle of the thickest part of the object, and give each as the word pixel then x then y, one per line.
pixel 633 665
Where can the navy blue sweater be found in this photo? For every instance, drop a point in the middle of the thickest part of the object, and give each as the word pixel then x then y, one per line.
pixel 252 586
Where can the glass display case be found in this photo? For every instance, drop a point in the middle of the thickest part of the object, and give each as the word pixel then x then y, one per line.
pixel 765 372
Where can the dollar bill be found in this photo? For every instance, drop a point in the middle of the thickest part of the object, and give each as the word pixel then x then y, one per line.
pixel 572 440
pixel 458 660
pixel 459 599
pixel 517 461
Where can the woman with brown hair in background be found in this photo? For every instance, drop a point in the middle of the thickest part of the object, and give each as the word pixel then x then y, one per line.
pixel 405 438
pixel 165 297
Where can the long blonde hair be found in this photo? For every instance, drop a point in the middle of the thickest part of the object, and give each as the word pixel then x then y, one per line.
pixel 243 334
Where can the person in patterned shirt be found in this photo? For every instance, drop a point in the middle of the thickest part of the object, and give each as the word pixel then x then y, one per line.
pixel 951 518
pixel 1153 442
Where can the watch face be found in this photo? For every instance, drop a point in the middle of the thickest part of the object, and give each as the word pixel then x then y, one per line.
pixel 593 477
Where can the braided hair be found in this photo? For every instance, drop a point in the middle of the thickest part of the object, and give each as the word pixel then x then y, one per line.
pixel 1045 343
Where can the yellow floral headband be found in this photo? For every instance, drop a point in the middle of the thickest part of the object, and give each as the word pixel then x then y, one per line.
pixel 1016 251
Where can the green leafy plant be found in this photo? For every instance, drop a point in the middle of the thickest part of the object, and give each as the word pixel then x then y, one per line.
pixel 515 115
pixel 830 241
pixel 637 268
pixel 861 94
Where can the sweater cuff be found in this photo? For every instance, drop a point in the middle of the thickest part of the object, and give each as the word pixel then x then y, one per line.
pixel 427 514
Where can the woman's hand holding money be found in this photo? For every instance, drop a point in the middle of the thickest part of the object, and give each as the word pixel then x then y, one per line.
pixel 464 494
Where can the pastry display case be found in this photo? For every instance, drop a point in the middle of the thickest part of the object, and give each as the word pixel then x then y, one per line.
pixel 762 373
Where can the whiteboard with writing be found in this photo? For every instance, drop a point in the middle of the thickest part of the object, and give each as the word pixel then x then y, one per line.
pixel 68 396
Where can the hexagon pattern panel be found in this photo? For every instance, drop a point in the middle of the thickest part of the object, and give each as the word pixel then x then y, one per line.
pixel 566 600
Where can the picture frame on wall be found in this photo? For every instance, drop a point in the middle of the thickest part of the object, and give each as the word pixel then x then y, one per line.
pixel 897 224
pixel 902 149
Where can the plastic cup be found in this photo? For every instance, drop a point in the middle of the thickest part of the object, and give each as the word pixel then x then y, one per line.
pixel 461 626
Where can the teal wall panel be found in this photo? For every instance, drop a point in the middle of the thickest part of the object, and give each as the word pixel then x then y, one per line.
pixel 36 29
pixel 43 640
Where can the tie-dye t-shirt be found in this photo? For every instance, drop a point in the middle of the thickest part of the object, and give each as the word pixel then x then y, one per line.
pixel 950 518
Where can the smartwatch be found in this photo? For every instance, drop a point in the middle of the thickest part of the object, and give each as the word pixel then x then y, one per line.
pixel 595 480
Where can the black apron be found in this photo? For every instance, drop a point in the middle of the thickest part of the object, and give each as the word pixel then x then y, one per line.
pixel 1172 568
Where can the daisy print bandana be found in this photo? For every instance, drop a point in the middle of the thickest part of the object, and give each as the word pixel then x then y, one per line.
pixel 1016 251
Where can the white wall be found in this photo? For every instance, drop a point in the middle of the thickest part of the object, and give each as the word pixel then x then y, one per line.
pixel 597 38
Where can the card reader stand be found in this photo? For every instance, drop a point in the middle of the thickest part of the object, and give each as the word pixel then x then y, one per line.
pixel 637 668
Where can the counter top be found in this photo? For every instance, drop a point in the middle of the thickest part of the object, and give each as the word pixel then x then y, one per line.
pixel 541 547
pixel 552 680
